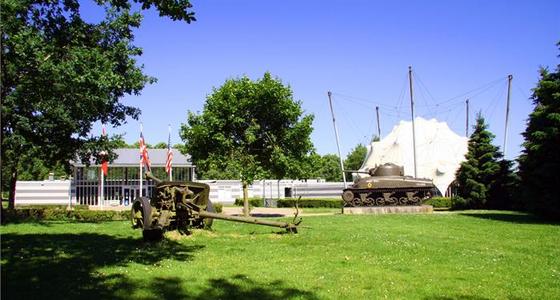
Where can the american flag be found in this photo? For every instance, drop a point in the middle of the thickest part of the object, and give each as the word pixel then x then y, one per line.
pixel 144 159
pixel 168 162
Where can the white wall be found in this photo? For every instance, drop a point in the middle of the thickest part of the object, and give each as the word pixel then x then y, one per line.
pixel 226 191
pixel 43 192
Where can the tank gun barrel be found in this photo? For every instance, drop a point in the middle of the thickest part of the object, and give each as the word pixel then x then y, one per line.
pixel 356 171
pixel 151 176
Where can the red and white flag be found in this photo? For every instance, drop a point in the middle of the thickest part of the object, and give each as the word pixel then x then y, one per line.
pixel 168 162
pixel 104 162
pixel 144 159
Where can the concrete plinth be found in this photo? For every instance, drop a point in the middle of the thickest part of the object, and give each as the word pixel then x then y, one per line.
pixel 376 210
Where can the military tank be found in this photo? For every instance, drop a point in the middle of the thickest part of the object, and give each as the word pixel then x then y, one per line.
pixel 386 185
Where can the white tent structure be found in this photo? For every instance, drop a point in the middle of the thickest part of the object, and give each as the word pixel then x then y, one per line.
pixel 439 151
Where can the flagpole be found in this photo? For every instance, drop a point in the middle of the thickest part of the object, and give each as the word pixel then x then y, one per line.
pixel 141 194
pixel 102 188
pixel 169 146
pixel 102 192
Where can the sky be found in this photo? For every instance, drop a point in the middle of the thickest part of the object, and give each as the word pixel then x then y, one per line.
pixel 359 50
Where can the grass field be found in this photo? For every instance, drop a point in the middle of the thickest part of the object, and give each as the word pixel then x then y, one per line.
pixel 469 255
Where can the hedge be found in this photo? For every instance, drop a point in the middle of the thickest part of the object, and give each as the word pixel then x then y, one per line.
pixel 57 214
pixel 311 202
pixel 439 202
pixel 289 202
pixel 253 202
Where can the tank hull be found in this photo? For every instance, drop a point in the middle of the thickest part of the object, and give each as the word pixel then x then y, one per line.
pixel 355 197
pixel 388 191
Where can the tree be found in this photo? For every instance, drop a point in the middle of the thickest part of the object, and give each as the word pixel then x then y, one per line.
pixel 539 162
pixel 60 74
pixel 330 168
pixel 355 159
pixel 160 145
pixel 481 168
pixel 247 130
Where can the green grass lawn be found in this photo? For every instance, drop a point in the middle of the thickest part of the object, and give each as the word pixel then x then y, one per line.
pixel 470 255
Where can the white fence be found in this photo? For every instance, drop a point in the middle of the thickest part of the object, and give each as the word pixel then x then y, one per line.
pixel 221 191
pixel 48 192
pixel 226 191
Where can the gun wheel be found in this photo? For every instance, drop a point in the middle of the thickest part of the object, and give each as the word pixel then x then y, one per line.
pixel 141 213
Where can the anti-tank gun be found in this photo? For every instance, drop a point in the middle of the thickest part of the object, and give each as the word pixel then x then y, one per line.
pixel 182 206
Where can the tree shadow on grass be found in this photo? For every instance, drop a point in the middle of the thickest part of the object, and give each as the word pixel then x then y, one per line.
pixel 237 287
pixel 65 266
pixel 460 297
pixel 512 217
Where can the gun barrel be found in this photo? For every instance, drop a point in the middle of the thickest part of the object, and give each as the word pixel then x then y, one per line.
pixel 151 176
pixel 288 226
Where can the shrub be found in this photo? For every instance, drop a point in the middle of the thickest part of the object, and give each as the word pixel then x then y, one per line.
pixel 439 202
pixel 253 202
pixel 58 214
pixel 218 207
pixel 311 202
pixel 459 203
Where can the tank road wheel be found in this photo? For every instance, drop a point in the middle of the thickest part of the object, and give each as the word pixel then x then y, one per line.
pixel 403 200
pixel 141 213
pixel 380 201
pixel 369 202
pixel 393 201
pixel 416 200
pixel 208 221
pixel 347 196
pixel 357 202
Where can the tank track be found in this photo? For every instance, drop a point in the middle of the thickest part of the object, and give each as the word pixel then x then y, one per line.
pixel 385 197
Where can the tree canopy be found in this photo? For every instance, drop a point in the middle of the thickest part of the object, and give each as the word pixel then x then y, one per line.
pixel 247 130
pixel 355 158
pixel 481 175
pixel 540 160
pixel 60 74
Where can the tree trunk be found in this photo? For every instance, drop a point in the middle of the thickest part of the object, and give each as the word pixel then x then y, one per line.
pixel 12 195
pixel 245 199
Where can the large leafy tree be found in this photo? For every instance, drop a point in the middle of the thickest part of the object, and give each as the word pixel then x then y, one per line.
pixel 247 130
pixel 355 158
pixel 539 163
pixel 476 176
pixel 60 74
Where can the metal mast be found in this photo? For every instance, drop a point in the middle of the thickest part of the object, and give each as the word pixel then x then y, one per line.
pixel 510 77
pixel 467 124
pixel 378 127
pixel 337 143
pixel 412 113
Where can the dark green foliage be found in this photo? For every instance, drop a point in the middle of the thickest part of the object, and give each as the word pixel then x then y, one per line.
pixel 247 130
pixel 61 214
pixel 325 167
pixel 459 203
pixel 355 159
pixel 60 74
pixel 310 202
pixel 438 202
pixel 290 202
pixel 253 202
pixel 539 163
pixel 219 207
pixel 485 179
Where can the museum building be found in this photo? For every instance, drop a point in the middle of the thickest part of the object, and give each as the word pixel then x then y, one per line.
pixel 121 185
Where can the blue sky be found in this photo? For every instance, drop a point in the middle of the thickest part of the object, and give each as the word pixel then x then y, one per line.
pixel 359 50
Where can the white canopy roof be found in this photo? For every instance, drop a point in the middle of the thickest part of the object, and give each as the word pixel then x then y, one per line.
pixel 439 151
